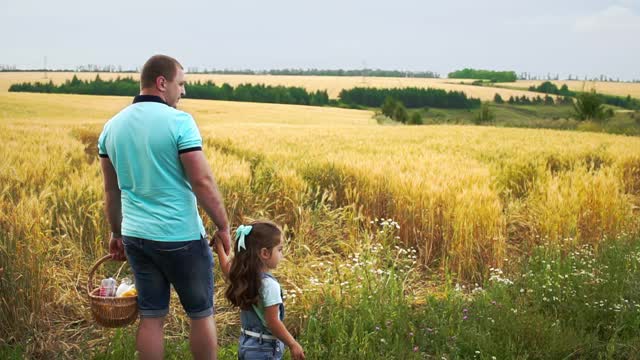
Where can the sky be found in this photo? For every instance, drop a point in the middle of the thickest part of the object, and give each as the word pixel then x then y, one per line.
pixel 578 37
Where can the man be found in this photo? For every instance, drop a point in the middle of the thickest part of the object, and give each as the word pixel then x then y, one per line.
pixel 154 171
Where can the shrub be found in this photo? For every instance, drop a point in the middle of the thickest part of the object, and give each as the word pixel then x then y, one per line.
pixel 589 106
pixel 389 107
pixel 485 114
pixel 400 114
pixel 416 119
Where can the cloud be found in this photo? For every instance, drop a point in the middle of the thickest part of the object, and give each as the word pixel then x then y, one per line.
pixel 614 18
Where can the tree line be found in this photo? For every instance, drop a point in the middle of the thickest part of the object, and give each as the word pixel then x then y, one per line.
pixel 534 100
pixel 369 97
pixel 356 72
pixel 548 87
pixel 195 90
pixel 291 72
pixel 411 97
pixel 493 76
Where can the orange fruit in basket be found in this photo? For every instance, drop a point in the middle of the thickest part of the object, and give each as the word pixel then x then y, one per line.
pixel 130 292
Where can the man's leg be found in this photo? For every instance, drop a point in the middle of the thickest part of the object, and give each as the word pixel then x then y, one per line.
pixel 203 338
pixel 150 339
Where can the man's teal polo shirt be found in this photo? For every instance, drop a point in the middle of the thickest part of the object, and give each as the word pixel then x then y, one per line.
pixel 144 142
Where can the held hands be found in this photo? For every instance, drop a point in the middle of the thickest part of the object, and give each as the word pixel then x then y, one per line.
pixel 218 245
pixel 223 236
pixel 116 249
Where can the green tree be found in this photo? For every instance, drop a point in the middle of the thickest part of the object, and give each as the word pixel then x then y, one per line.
pixel 400 113
pixel 485 114
pixel 416 118
pixel 548 100
pixel 389 107
pixel 546 87
pixel 590 106
pixel 498 99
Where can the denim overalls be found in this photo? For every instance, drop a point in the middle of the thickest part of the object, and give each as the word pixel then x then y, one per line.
pixel 256 347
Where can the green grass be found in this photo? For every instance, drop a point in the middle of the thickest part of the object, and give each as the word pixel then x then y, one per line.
pixel 11 352
pixel 504 113
pixel 558 304
pixel 122 347
pixel 559 117
pixel 555 303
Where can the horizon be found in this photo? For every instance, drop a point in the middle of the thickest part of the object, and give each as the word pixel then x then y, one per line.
pixel 91 68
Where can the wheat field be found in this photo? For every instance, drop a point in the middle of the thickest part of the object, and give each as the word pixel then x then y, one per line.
pixel 467 198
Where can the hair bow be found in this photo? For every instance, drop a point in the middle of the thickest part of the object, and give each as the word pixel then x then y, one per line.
pixel 241 232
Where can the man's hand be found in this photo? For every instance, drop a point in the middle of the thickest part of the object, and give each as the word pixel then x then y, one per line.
pixel 223 258
pixel 223 236
pixel 116 249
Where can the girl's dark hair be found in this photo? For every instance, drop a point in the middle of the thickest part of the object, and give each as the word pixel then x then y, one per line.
pixel 244 277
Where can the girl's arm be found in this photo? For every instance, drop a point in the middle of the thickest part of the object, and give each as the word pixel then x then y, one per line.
pixel 223 258
pixel 278 329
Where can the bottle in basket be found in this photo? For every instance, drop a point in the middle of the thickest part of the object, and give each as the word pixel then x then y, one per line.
pixel 108 287
pixel 125 285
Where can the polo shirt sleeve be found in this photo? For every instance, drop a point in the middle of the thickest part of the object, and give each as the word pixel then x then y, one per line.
pixel 102 149
pixel 189 138
pixel 270 292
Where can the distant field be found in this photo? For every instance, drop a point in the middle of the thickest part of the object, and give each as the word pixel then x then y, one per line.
pixel 333 84
pixel 612 88
pixel 74 110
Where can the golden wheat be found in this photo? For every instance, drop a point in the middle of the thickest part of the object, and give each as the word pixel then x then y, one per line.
pixel 466 197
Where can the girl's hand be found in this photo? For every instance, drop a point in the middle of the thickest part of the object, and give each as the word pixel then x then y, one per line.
pixel 225 265
pixel 217 243
pixel 296 352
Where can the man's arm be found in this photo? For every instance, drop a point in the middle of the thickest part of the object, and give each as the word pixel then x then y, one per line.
pixel 113 208
pixel 206 190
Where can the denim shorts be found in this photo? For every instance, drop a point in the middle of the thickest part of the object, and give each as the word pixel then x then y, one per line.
pixel 253 348
pixel 187 265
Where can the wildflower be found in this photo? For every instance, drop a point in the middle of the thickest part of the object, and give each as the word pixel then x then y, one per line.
pixel 377 328
pixel 465 317
pixel 416 348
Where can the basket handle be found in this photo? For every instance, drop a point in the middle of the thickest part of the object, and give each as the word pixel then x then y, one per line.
pixel 93 270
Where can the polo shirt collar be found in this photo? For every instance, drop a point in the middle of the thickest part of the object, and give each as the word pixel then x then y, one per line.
pixel 148 98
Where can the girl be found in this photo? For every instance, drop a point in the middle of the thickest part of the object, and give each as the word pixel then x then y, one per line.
pixel 253 289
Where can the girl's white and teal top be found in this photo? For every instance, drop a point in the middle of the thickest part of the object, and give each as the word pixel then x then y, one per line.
pixel 270 294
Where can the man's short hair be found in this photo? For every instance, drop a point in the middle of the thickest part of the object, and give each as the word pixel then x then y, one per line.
pixel 158 65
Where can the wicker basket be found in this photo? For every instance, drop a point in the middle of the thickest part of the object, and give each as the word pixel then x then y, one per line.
pixel 112 312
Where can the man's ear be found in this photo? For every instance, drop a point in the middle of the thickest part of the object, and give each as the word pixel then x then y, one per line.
pixel 161 83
